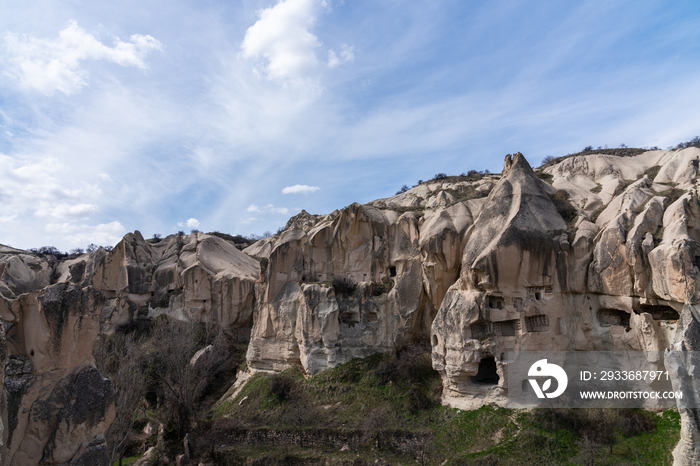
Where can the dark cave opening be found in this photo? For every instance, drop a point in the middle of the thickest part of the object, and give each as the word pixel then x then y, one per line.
pixel 487 373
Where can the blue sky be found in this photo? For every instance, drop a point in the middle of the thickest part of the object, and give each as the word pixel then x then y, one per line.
pixel 164 116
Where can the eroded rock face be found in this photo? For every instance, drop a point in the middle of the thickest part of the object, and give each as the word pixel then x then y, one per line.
pixel 682 364
pixel 54 398
pixel 200 278
pixel 614 277
pixel 602 253
pixel 364 279
pixel 57 406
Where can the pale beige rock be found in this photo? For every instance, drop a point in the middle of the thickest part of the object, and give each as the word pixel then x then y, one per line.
pixel 480 267
pixel 200 278
pixel 52 329
pixel 398 266
pixel 527 284
pixel 52 381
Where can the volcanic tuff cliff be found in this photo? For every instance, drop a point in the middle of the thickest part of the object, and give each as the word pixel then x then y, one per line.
pixel 57 406
pixel 593 252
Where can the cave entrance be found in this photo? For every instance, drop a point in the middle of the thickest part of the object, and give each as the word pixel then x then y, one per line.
pixel 660 312
pixel 487 373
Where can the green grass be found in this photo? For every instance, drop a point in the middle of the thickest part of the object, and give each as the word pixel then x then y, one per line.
pixel 128 461
pixel 343 399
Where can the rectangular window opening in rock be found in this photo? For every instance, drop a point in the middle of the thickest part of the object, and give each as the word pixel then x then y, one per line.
pixel 496 302
pixel 613 317
pixel 537 323
pixel 518 304
pixel 507 328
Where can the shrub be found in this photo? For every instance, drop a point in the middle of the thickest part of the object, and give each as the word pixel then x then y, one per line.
pixel 440 176
pixel 633 422
pixel 561 202
pixel 473 175
pixel 281 386
pixel 546 177
pixel 671 195
pixel 48 250
pixel 693 142
pixel 548 160
pixel 418 399
pixel 403 189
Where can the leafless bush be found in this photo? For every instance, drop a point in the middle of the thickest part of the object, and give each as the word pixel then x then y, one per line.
pixel 374 426
pixel 422 446
pixel 182 383
pixel 120 357
pixel 301 413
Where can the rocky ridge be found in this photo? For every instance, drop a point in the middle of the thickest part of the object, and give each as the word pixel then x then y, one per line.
pixel 595 252
pixel 57 406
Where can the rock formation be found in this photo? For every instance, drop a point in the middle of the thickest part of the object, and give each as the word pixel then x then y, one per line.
pixel 57 406
pixel 365 279
pixel 594 252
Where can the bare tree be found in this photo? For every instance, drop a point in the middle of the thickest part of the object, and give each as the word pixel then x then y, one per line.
pixel 183 381
pixel 374 426
pixel 422 446
pixel 120 357
pixel 300 413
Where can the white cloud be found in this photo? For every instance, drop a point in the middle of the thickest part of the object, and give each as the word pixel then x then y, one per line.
pixel 67 210
pixel 36 186
pixel 268 208
pixel 346 55
pixel 300 189
pixel 281 38
pixel 49 65
pixel 277 210
pixel 105 234
pixel 193 223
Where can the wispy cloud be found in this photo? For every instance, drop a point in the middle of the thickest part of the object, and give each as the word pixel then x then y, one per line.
pixel 300 189
pixel 346 55
pixel 268 208
pixel 106 234
pixel 49 65
pixel 67 210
